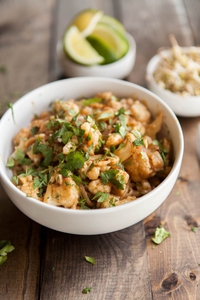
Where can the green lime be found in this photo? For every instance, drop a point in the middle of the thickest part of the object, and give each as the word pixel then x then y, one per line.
pixel 108 42
pixel 113 22
pixel 86 20
pixel 79 49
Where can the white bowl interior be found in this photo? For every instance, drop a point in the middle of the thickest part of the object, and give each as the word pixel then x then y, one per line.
pixel 75 221
pixel 188 106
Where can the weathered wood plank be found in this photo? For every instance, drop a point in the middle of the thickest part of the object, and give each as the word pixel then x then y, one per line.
pixel 173 265
pixel 24 57
pixel 20 273
pixel 117 253
pixel 24 43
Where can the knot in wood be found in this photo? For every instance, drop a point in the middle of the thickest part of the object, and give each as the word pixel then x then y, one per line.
pixel 170 282
pixel 192 276
pixel 191 221
pixel 151 225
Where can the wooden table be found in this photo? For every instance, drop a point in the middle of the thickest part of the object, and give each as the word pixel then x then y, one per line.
pixel 47 264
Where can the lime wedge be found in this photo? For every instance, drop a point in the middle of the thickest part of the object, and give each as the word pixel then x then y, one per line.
pixel 79 49
pixel 108 42
pixel 113 22
pixel 86 20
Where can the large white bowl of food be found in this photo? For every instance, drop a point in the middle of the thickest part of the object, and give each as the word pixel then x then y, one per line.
pixel 89 155
pixel 174 75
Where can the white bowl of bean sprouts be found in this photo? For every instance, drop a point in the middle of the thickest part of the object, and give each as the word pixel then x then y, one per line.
pixel 174 75
pixel 89 155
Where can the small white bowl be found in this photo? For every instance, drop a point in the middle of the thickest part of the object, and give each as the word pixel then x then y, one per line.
pixel 119 69
pixel 86 222
pixel 185 106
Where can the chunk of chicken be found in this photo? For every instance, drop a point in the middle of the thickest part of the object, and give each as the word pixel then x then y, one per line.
pixel 140 112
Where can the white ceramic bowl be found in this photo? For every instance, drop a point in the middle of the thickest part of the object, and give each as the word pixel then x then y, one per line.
pixel 119 69
pixel 185 106
pixel 86 222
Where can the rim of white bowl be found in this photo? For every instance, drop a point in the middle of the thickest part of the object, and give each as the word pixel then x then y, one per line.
pixel 176 166
pixel 151 67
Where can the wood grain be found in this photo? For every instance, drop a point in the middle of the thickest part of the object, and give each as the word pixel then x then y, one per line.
pixel 114 253
pixel 50 265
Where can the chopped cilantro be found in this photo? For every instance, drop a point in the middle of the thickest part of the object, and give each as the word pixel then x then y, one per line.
pixel 10 105
pixel 3 70
pixel 113 177
pixel 91 260
pixel 20 157
pixel 101 197
pixel 105 115
pixel 86 290
pixel 138 142
pixel 194 229
pixel 120 129
pixel 5 248
pixel 10 163
pixel 160 235
pixel 75 161
pixel 34 130
pixel 82 203
pixel 102 126
pixel 46 151
pixel 89 101
pixel 87 155
pixel 120 111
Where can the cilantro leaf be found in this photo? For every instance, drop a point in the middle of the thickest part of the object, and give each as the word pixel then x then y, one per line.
pixel 101 197
pixel 91 260
pixel 86 290
pixel 34 130
pixel 10 105
pixel 11 162
pixel 5 248
pixel 46 151
pixel 75 161
pixel 105 115
pixel 91 100
pixel 20 158
pixel 160 235
pixel 111 175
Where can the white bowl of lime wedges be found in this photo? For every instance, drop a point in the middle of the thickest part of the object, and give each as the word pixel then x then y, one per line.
pixel 95 44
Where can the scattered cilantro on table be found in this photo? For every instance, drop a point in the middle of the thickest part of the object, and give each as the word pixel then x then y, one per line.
pixel 5 248
pixel 160 235
pixel 91 260
pixel 86 290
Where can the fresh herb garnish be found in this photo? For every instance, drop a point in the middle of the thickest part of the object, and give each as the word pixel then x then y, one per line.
pixel 34 130
pixel 86 290
pixel 105 115
pixel 91 260
pixel 46 151
pixel 74 161
pixel 101 197
pixel 113 177
pixel 160 235
pixel 3 69
pixel 194 229
pixel 5 248
pixel 10 105
pixel 89 101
